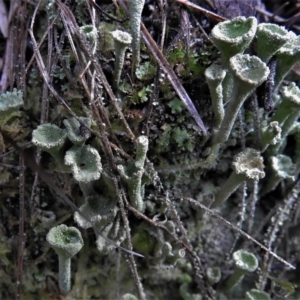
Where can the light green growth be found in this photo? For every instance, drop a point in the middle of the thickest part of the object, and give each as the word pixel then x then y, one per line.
pixel 248 164
pixel 270 37
pixel 245 262
pixel 166 255
pixel 135 8
pixel 176 106
pixel 248 73
pixel 129 297
pixel 113 231
pixel 145 71
pixel 99 210
pixel 282 168
pixel 214 77
pixel 234 36
pixel 213 275
pixel 78 133
pixel 101 214
pixel 90 33
pixel 85 163
pixel 287 56
pixel 186 294
pixel 132 174
pixel 66 242
pixel 291 94
pixel 51 139
pixel 142 95
pixel 143 243
pixel 290 102
pixel 271 134
pixel 287 113
pixel 122 40
pixel 254 294
pixel 10 102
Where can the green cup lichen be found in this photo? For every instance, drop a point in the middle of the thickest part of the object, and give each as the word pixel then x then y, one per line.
pixel 245 262
pixel 52 139
pixel 248 72
pixel 287 56
pixel 247 165
pixel 77 132
pixel 133 172
pixel 254 294
pixel 122 40
pixel 10 102
pixel 213 275
pixel 85 163
pixel 234 36
pixel 215 75
pixel 270 37
pixel 282 167
pixel 135 8
pixel 66 242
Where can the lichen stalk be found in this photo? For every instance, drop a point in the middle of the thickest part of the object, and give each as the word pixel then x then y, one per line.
pixel 270 37
pixel 287 56
pixel 247 164
pixel 244 262
pixel 214 77
pixel 66 242
pixel 271 135
pixel 282 168
pixel 64 274
pixel 289 112
pixel 249 72
pixel 135 13
pixel 121 42
pixel 230 186
pixel 132 174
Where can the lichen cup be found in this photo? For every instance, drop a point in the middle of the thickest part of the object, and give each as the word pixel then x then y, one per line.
pixel 66 242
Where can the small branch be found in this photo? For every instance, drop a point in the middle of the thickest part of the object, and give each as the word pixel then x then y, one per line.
pixel 206 12
pixel 239 230
pixel 21 229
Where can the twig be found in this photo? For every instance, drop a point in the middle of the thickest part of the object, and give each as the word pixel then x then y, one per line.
pixel 202 10
pixel 21 229
pixel 275 18
pixel 281 216
pixel 239 230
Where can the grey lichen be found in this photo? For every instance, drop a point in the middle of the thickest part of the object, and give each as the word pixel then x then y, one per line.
pixel 135 8
pixel 66 242
pixel 52 139
pixel 122 40
pixel 248 164
pixel 132 174
pixel 85 163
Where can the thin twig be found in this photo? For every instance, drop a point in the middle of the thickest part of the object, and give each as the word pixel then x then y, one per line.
pixel 239 230
pixel 202 10
pixel 21 229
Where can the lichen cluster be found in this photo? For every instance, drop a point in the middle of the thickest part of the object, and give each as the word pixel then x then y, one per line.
pixel 116 153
